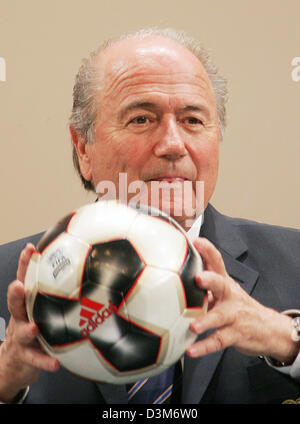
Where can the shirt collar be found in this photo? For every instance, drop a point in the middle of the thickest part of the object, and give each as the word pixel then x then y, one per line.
pixel 194 231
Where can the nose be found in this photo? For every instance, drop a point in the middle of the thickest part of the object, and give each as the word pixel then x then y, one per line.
pixel 170 144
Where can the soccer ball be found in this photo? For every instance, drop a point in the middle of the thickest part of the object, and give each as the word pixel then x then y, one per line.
pixel 112 290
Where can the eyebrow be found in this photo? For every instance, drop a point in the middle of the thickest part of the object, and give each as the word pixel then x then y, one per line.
pixel 154 106
pixel 192 108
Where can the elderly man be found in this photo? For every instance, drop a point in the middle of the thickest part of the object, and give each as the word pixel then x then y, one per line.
pixel 151 106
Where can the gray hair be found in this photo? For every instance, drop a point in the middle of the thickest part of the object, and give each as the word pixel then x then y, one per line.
pixel 85 107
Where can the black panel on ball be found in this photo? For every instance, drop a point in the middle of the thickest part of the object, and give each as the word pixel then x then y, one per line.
pixel 136 349
pixel 108 333
pixel 114 264
pixel 54 232
pixel 48 314
pixel 194 295
pixel 89 287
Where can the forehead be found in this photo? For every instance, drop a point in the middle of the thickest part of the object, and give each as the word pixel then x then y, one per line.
pixel 135 67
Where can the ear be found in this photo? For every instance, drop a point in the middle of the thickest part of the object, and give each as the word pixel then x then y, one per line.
pixel 80 145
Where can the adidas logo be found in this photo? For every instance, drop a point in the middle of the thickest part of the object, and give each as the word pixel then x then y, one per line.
pixel 92 314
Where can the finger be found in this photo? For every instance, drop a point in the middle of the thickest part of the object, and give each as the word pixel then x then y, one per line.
pixel 38 359
pixel 217 341
pixel 210 299
pixel 216 318
pixel 26 333
pixel 16 300
pixel 209 280
pixel 24 261
pixel 211 256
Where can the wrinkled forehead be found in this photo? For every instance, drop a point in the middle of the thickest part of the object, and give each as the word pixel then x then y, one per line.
pixel 153 54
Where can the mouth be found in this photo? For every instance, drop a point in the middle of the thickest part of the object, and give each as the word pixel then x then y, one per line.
pixel 170 179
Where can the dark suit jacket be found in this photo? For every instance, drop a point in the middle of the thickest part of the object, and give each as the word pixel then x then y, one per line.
pixel 264 259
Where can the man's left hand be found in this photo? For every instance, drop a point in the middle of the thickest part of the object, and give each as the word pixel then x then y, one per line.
pixel 238 319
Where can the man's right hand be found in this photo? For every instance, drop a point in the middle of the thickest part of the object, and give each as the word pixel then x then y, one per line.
pixel 21 357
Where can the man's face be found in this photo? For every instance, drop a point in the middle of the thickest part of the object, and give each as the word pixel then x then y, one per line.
pixel 157 120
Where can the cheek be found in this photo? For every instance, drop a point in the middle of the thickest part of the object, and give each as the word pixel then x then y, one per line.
pixel 116 155
pixel 208 159
pixel 101 160
pixel 214 157
pixel 207 165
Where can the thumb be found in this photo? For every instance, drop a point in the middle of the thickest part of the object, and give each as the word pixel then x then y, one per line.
pixel 24 261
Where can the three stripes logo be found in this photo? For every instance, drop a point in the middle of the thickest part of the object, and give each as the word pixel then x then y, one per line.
pixel 93 314
pixel 88 309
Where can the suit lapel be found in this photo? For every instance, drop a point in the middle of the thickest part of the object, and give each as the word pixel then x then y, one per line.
pixel 223 234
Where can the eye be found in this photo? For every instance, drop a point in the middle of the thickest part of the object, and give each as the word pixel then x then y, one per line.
pixel 191 120
pixel 139 123
pixel 139 120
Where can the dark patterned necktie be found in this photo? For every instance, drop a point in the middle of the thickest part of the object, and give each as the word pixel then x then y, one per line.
pixel 162 388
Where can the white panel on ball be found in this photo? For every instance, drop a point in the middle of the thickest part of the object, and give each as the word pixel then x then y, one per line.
pixel 30 283
pixel 90 367
pixel 32 272
pixel 182 338
pixel 61 266
pixel 157 300
pixel 102 221
pixel 158 242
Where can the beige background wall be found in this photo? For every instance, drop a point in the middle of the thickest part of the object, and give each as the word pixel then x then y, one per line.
pixel 253 42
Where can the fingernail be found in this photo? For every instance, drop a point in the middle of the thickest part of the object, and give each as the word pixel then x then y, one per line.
pixel 55 365
pixel 34 331
pixel 192 350
pixel 198 280
pixel 197 326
